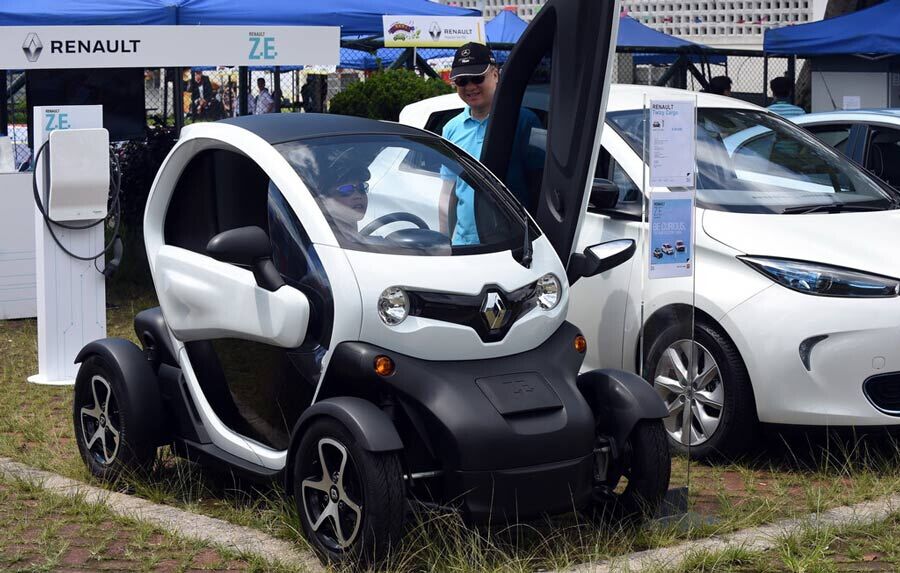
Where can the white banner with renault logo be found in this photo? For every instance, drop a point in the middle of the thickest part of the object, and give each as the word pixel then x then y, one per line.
pixel 49 47
pixel 432 31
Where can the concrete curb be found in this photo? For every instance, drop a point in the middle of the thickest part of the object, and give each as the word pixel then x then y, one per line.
pixel 755 539
pixel 183 523
pixel 252 541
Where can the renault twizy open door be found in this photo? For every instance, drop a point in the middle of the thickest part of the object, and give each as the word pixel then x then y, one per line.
pixel 564 56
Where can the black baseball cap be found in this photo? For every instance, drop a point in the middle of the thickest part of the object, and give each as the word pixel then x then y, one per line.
pixel 471 59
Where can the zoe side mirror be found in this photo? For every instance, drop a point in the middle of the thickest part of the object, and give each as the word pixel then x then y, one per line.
pixel 247 246
pixel 604 194
pixel 600 258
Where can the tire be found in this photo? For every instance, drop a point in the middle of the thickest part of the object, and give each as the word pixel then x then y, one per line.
pixel 646 463
pixel 723 420
pixel 109 445
pixel 368 497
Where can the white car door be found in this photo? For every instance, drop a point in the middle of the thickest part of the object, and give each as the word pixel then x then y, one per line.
pixel 607 306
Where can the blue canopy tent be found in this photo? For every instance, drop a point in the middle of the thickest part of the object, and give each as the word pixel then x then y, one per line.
pixel 353 16
pixel 87 13
pixel 633 34
pixel 505 28
pixel 875 30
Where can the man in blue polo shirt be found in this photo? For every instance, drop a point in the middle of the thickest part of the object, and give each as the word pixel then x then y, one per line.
pixel 474 73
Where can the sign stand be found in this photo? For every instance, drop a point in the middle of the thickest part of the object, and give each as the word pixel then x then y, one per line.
pixel 71 294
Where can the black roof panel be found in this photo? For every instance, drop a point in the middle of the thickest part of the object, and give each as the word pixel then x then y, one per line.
pixel 281 127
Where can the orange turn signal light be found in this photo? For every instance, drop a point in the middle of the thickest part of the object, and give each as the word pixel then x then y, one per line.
pixel 580 344
pixel 384 366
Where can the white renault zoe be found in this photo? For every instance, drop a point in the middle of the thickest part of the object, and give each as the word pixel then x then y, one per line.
pixel 797 316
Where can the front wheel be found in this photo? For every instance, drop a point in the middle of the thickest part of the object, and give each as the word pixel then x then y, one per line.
pixel 636 482
pixel 350 501
pixel 707 391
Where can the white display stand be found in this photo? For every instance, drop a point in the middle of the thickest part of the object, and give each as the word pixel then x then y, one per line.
pixel 18 295
pixel 71 294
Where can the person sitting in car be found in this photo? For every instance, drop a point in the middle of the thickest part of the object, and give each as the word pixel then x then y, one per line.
pixel 346 199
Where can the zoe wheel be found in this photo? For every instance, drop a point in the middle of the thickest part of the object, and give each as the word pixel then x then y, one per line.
pixel 350 501
pixel 707 391
pixel 644 464
pixel 108 444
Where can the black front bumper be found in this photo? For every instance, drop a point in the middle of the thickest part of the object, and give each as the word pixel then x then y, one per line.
pixel 517 493
pixel 513 436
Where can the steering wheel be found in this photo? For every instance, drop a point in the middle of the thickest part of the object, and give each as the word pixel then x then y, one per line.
pixel 389 218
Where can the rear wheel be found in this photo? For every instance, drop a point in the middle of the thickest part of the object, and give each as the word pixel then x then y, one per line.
pixel 644 463
pixel 110 447
pixel 350 501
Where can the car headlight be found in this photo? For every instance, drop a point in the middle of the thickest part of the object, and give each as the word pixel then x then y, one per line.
pixel 824 280
pixel 393 306
pixel 549 291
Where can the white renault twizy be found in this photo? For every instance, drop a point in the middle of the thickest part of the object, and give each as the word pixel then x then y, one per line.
pixel 317 327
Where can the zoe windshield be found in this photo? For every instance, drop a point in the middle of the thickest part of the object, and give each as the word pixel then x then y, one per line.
pixel 750 161
pixel 389 194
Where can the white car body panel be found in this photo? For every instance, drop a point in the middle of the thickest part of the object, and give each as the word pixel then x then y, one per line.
pixel 852 240
pixel 191 287
pixel 435 340
pixel 766 321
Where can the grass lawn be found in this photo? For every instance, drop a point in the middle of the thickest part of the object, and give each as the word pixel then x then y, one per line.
pixel 775 482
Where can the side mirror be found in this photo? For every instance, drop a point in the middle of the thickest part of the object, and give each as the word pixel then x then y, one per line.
pixel 247 246
pixel 600 258
pixel 604 194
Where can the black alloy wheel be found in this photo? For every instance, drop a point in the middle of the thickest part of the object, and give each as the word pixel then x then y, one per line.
pixel 350 501
pixel 102 431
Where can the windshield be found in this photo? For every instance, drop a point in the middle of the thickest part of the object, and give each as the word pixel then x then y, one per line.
pixel 750 161
pixel 390 194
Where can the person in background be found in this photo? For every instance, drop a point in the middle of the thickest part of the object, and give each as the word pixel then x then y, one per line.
pixel 720 85
pixel 263 102
pixel 202 96
pixel 781 95
pixel 229 99
pixel 474 73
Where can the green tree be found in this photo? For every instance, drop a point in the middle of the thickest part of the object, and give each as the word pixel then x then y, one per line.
pixel 384 94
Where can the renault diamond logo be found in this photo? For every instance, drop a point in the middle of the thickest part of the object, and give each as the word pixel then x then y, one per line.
pixel 494 310
pixel 435 31
pixel 32 47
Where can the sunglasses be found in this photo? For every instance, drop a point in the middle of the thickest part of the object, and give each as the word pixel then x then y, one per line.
pixel 465 80
pixel 350 188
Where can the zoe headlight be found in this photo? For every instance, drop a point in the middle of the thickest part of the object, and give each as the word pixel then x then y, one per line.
pixel 824 280
pixel 549 291
pixel 393 306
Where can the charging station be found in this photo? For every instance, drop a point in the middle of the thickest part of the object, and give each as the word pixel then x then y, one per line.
pixel 72 180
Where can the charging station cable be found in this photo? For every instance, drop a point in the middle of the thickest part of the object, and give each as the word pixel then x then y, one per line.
pixel 115 244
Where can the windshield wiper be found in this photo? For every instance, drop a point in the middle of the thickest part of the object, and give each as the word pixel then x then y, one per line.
pixel 527 248
pixel 828 207
pixel 512 203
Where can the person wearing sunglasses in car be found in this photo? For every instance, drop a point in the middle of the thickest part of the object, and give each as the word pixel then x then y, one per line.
pixel 346 198
pixel 475 75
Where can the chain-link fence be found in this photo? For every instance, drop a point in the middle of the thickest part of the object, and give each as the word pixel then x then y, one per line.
pixel 175 97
